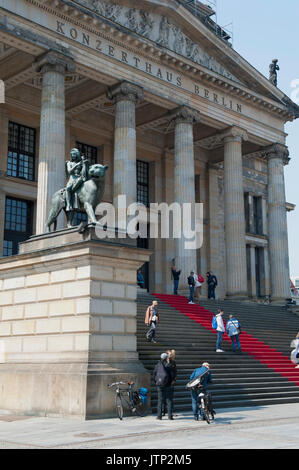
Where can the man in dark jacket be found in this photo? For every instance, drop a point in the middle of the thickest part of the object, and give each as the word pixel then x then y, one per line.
pixel 164 375
pixel 176 279
pixel 212 284
pixel 191 283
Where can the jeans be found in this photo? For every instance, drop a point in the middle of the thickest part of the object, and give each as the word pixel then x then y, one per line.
pixel 195 401
pixel 194 395
pixel 191 293
pixel 165 394
pixel 175 286
pixel 235 342
pixel 211 291
pixel 219 339
pixel 153 330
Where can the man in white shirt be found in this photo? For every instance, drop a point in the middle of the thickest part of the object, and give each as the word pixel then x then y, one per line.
pixel 220 330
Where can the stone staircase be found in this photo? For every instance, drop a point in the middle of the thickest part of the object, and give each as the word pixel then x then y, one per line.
pixel 261 375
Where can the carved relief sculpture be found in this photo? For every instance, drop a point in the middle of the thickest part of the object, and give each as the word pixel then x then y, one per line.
pixel 146 24
pixel 179 40
pixel 164 30
pixel 166 33
pixel 113 11
pixel 132 22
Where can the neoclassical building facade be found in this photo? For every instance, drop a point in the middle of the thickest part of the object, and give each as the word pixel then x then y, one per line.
pixel 155 91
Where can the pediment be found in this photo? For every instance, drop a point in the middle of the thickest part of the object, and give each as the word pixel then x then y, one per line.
pixel 159 28
pixel 168 25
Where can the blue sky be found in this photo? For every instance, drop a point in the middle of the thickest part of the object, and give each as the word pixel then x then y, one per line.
pixel 265 30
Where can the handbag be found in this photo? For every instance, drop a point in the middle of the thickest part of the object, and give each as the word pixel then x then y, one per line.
pixel 238 329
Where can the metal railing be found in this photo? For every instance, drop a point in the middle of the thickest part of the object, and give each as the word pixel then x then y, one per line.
pixel 201 11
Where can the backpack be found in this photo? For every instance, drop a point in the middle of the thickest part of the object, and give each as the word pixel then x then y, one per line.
pixel 193 384
pixel 162 375
pixel 214 323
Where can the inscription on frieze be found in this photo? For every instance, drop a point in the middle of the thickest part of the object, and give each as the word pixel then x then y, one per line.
pixel 164 73
pixel 159 29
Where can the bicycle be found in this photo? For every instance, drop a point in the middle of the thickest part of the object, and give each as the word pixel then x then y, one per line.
pixel 135 400
pixel 205 406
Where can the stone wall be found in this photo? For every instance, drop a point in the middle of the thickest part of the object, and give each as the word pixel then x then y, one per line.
pixel 68 313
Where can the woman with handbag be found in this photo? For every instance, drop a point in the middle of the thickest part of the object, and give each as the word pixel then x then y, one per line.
pixel 233 329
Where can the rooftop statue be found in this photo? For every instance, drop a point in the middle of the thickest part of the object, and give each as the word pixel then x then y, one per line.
pixel 273 71
pixel 84 190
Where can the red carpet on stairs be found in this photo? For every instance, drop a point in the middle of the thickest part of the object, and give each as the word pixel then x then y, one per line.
pixel 252 346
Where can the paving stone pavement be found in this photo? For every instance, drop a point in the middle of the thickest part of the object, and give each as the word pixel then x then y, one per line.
pixel 265 427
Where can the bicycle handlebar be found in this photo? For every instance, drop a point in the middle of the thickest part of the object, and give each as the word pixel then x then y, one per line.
pixel 120 383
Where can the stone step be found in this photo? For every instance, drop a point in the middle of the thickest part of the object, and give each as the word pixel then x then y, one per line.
pixel 239 379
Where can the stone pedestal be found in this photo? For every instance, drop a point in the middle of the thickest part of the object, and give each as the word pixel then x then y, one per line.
pixel 68 324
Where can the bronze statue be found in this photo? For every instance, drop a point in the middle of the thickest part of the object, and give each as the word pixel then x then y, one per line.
pixel 84 190
pixel 77 169
pixel 273 71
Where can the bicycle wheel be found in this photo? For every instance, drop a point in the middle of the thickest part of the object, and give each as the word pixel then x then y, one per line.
pixel 119 406
pixel 205 413
pixel 141 408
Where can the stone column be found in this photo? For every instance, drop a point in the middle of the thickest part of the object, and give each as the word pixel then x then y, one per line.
pixel 278 156
pixel 253 271
pixel 217 252
pixel 2 218
pixel 234 214
pixel 125 95
pixel 51 168
pixel 3 168
pixel 184 182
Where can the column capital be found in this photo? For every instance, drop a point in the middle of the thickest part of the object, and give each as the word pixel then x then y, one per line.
pixel 277 151
pixel 125 91
pixel 234 134
pixel 184 114
pixel 54 61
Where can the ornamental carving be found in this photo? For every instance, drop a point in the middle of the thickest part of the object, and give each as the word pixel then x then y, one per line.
pixel 184 114
pixel 158 29
pixel 125 91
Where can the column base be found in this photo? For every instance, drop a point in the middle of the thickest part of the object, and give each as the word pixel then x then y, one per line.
pixel 239 297
pixel 278 301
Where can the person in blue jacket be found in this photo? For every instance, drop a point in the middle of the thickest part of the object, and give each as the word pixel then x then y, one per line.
pixel 203 386
pixel 233 328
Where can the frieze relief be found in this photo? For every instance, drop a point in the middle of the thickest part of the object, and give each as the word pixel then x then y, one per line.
pixel 159 30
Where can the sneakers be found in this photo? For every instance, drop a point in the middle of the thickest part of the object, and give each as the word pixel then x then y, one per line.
pixel 219 350
pixel 191 303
